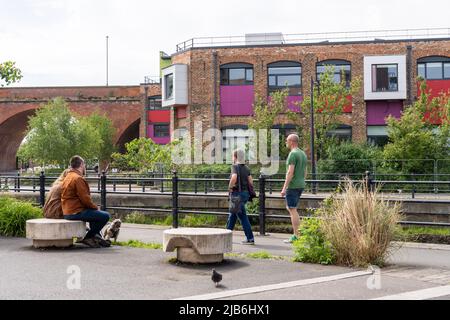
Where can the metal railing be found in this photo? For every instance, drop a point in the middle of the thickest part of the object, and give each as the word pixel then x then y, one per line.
pixel 213 185
pixel 317 37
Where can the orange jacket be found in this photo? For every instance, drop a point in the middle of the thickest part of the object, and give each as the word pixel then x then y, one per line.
pixel 75 195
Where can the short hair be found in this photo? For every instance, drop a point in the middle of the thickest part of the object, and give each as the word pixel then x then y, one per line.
pixel 239 155
pixel 294 138
pixel 76 162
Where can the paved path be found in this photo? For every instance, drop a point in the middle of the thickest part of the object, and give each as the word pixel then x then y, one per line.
pixel 421 272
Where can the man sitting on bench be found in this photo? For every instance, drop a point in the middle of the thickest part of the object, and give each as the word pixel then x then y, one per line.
pixel 77 204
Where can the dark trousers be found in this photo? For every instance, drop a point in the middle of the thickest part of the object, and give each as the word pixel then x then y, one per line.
pixel 242 216
pixel 97 220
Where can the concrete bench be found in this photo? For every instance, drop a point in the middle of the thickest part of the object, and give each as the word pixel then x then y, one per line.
pixel 54 232
pixel 198 245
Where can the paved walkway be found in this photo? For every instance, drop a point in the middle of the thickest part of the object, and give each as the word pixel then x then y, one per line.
pixel 421 272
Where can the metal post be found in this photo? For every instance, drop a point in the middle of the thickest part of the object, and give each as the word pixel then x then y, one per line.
pixel 175 200
pixel 42 189
pixel 18 182
pixel 103 191
pixel 369 181
pixel 313 156
pixel 262 205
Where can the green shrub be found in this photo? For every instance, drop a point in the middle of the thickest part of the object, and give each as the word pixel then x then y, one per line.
pixel 348 158
pixel 312 246
pixel 14 214
pixel 198 220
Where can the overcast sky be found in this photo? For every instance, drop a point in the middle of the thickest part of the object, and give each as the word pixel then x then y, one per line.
pixel 62 42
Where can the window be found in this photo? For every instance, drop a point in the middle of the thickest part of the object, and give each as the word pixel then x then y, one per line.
pixel 154 103
pixel 235 137
pixel 168 80
pixel 384 77
pixel 236 74
pixel 341 68
pixel 284 75
pixel 377 135
pixel 434 68
pixel 341 133
pixel 161 130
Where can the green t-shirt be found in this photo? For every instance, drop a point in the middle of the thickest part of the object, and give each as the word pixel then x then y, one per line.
pixel 297 157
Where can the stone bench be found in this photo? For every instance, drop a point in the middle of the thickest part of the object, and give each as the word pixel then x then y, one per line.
pixel 54 232
pixel 198 245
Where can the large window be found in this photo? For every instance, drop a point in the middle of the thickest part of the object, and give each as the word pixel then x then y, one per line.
pixel 384 77
pixel 168 79
pixel 377 135
pixel 234 137
pixel 234 74
pixel 154 103
pixel 434 68
pixel 341 70
pixel 161 130
pixel 341 133
pixel 285 74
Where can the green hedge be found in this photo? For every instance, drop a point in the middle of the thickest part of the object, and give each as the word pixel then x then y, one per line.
pixel 14 214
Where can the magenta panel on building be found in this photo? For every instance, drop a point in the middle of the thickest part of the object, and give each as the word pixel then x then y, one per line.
pixel 158 140
pixel 378 111
pixel 236 100
pixel 293 102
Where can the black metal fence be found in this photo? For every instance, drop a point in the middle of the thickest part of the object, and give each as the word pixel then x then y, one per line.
pixel 213 185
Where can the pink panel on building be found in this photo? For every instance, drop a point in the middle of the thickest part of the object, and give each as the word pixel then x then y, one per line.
pixel 181 112
pixel 236 100
pixel 378 111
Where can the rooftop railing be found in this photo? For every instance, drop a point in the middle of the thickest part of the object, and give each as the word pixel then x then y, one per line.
pixel 317 37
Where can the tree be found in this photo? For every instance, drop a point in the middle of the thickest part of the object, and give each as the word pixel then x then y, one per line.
pixel 422 132
pixel 105 147
pixel 330 100
pixel 145 155
pixel 9 73
pixel 55 134
pixel 266 112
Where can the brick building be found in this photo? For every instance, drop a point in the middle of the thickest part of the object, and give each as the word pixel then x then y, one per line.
pixel 216 80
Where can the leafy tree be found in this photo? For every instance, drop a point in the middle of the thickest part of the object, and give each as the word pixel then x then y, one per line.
pixel 144 155
pixel 54 135
pixel 9 73
pixel 330 100
pixel 266 112
pixel 104 147
pixel 416 135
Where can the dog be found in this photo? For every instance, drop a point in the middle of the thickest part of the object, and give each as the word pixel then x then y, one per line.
pixel 112 230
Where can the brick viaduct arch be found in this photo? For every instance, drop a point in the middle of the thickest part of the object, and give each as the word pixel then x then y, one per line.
pixel 123 105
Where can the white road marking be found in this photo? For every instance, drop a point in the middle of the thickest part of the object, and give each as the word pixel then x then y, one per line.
pixel 424 294
pixel 278 286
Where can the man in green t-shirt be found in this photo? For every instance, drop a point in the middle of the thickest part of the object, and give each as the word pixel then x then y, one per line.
pixel 295 181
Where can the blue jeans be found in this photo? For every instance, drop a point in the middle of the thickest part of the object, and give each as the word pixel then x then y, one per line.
pixel 242 216
pixel 97 220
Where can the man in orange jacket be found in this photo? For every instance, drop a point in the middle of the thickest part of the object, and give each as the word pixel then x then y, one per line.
pixel 77 204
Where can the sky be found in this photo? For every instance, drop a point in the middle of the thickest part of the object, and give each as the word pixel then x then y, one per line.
pixel 63 42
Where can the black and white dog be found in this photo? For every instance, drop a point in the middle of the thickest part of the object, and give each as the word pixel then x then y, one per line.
pixel 112 230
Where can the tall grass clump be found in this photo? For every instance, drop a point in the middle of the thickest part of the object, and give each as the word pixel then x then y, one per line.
pixel 13 216
pixel 360 225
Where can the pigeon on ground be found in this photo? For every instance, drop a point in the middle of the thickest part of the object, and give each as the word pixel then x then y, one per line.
pixel 216 277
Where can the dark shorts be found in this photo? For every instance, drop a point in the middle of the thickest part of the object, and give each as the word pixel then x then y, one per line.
pixel 293 197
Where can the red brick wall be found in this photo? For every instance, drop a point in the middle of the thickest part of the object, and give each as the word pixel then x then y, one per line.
pixel 200 63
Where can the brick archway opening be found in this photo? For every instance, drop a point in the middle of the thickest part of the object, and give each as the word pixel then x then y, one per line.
pixel 129 134
pixel 12 133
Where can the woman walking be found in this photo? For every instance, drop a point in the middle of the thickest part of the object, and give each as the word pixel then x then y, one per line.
pixel 241 183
